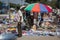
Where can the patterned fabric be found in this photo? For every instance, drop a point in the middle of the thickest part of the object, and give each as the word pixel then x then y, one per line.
pixel 17 17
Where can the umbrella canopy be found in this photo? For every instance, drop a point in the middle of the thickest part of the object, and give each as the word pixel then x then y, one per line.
pixel 38 7
pixel 22 7
pixel 29 7
pixel 12 8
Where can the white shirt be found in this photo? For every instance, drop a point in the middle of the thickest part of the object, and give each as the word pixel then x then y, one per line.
pixel 20 14
pixel 35 21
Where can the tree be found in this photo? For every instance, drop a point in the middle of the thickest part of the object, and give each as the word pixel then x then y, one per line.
pixel 32 1
pixel 43 1
pixel 15 5
pixel 0 3
pixel 53 3
pixel 12 5
pixel 58 4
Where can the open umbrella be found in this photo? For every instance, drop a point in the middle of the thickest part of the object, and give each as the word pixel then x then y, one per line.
pixel 22 7
pixel 12 9
pixel 38 7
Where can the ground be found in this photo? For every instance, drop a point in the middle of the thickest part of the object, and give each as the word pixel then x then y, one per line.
pixel 38 38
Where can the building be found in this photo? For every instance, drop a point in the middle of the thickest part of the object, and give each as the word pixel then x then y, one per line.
pixel 21 2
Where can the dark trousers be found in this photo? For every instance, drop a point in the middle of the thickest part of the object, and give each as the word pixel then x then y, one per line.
pixel 19 29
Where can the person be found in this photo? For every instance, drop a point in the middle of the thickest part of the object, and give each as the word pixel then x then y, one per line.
pixel 21 16
pixel 59 20
pixel 24 15
pixel 46 17
pixel 11 14
pixel 31 19
pixel 16 18
pixel 39 19
pixel 20 20
pixel 35 18
pixel 33 28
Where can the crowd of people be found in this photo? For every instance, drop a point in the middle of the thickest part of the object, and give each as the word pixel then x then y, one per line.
pixel 28 19
pixel 32 21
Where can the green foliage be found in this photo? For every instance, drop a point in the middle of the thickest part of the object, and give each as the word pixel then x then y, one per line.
pixel 12 5
pixel 0 3
pixel 15 5
pixel 58 4
pixel 43 1
pixel 32 1
pixel 53 4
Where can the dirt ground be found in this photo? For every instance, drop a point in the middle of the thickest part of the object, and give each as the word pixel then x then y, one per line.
pixel 38 38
